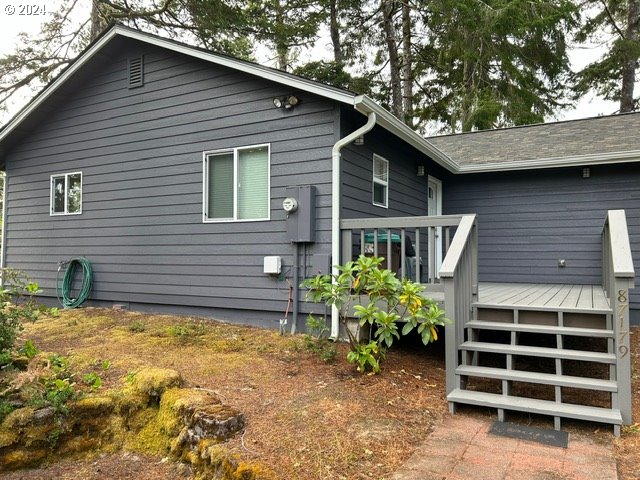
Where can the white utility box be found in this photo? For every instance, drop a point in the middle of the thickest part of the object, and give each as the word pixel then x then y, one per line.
pixel 273 265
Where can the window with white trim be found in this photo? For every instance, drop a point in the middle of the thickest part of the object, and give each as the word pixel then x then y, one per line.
pixel 380 181
pixel 236 184
pixel 66 194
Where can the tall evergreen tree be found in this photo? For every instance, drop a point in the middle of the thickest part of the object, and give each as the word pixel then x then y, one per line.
pixel 613 75
pixel 496 62
pixel 285 25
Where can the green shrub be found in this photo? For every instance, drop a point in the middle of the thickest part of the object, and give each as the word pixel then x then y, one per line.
pixel 315 340
pixel 136 326
pixel 16 306
pixel 379 299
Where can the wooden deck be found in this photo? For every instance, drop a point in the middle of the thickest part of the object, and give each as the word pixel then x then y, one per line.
pixel 541 296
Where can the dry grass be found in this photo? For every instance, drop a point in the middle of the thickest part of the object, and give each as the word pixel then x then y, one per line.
pixel 305 419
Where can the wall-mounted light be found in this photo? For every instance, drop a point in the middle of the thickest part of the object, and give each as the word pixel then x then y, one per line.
pixel 586 172
pixel 359 141
pixel 421 171
pixel 286 103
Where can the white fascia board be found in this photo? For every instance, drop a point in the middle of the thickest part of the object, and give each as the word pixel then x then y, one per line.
pixel 555 162
pixel 262 72
pixel 389 122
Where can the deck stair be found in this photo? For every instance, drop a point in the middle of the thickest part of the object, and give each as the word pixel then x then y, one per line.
pixel 551 338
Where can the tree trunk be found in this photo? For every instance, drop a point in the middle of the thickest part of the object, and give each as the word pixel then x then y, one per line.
pixel 97 21
pixel 388 11
pixel 282 49
pixel 631 64
pixel 334 30
pixel 407 64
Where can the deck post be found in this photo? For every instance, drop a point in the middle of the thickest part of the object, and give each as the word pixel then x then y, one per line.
pixel 347 247
pixel 620 306
pixel 618 278
pixel 451 330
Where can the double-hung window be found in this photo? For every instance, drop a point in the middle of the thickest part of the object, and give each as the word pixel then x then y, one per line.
pixel 66 194
pixel 236 184
pixel 380 181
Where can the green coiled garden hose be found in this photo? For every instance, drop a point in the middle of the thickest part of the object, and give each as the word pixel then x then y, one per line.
pixel 63 289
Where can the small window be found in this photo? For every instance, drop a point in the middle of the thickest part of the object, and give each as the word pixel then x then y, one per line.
pixel 236 184
pixel 380 181
pixel 66 194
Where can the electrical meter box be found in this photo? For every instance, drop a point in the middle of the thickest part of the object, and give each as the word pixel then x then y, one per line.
pixel 301 219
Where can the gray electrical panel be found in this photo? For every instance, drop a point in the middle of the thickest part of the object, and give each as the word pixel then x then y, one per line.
pixel 301 223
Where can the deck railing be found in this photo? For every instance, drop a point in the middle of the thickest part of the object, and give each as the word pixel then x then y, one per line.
pixel 457 277
pixel 393 237
pixel 617 278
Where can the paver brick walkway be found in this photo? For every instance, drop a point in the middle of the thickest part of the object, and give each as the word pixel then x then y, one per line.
pixel 461 448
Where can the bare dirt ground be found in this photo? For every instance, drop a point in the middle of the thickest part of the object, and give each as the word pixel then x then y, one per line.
pixel 305 419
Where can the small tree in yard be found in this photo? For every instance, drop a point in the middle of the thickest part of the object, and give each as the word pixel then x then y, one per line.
pixel 378 299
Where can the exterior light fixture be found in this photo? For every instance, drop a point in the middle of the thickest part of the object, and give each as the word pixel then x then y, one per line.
pixel 359 141
pixel 420 172
pixel 286 103
pixel 586 172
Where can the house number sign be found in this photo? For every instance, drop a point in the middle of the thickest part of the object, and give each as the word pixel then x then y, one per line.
pixel 623 305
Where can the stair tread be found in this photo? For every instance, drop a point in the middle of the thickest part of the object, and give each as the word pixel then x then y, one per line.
pixel 543 308
pixel 562 353
pixel 530 405
pixel 536 377
pixel 525 327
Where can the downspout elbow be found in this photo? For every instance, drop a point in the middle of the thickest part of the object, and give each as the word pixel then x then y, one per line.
pixel 335 207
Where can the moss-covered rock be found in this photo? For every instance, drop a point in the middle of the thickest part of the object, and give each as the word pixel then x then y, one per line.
pixel 154 381
pixel 21 457
pixel 92 407
pixel 152 415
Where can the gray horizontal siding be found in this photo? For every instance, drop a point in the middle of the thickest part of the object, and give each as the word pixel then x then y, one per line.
pixel 529 220
pixel 140 152
pixel 407 191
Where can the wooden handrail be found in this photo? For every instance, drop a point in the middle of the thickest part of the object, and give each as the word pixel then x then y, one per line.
pixel 621 259
pixel 459 243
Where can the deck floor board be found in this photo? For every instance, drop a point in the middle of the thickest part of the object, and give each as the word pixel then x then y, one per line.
pixel 540 295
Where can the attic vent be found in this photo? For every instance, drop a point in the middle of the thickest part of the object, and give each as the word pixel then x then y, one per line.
pixel 136 73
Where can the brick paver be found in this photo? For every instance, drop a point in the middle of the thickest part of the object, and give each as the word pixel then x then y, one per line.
pixel 461 447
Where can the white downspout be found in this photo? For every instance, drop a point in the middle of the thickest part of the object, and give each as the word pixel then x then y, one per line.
pixel 3 231
pixel 335 207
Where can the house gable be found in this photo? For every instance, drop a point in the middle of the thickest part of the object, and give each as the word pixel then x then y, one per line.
pixel 140 152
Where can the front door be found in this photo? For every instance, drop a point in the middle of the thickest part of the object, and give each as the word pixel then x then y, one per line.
pixel 434 207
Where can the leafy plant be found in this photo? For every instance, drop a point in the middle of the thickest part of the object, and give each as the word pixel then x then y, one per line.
pixel 93 380
pixel 105 365
pixel 315 340
pixel 29 349
pixel 131 377
pixel 378 299
pixel 5 408
pixel 59 392
pixel 16 306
